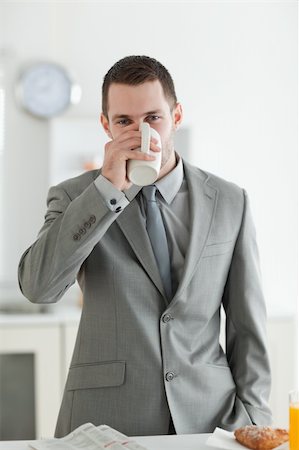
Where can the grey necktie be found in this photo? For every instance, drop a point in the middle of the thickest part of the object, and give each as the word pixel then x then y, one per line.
pixel 156 231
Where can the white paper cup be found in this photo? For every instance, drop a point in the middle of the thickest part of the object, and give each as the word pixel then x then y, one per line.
pixel 143 173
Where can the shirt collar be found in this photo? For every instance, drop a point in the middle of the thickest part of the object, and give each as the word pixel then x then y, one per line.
pixel 168 186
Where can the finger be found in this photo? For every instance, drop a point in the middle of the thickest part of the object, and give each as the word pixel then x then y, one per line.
pixel 124 143
pixel 129 128
pixel 134 142
pixel 126 136
pixel 154 147
pixel 136 154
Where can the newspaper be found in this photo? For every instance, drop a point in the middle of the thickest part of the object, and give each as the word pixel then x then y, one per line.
pixel 89 437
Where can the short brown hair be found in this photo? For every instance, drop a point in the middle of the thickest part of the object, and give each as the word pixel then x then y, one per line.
pixel 134 70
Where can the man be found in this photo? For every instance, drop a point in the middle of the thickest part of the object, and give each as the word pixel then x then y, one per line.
pixel 146 362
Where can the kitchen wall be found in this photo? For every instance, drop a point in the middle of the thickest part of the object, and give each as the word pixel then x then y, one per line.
pixel 235 68
pixel 234 65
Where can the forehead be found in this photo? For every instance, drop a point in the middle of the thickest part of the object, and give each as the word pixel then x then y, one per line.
pixel 126 99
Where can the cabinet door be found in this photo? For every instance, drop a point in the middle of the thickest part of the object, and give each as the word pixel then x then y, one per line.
pixel 44 343
pixel 283 349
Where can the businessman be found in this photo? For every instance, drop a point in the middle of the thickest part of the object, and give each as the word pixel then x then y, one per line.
pixel 155 264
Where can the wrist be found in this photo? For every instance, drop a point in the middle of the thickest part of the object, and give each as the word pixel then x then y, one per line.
pixel 121 186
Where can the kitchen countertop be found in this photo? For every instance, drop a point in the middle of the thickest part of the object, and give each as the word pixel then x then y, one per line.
pixel 34 315
pixel 173 442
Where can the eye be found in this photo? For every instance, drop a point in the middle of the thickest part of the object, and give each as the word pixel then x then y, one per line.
pixel 123 122
pixel 153 118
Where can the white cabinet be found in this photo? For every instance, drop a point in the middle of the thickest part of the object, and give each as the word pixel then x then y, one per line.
pixel 44 343
pixel 50 338
pixel 283 349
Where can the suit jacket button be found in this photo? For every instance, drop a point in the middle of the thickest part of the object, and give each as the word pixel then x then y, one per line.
pixel 87 225
pixel 77 237
pixel 169 376
pixel 166 318
pixel 92 219
pixel 82 231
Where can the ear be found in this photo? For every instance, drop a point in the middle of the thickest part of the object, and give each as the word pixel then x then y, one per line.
pixel 105 124
pixel 177 115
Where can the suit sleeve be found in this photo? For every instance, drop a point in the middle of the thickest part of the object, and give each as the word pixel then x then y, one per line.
pixel 71 230
pixel 244 304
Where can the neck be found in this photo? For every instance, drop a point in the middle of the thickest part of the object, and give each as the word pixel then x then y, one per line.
pixel 168 166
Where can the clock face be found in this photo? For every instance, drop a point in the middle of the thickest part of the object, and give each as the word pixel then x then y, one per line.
pixel 45 89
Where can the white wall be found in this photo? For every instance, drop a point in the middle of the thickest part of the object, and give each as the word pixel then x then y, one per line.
pixel 235 69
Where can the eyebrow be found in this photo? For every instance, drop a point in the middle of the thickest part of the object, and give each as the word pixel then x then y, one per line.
pixel 126 116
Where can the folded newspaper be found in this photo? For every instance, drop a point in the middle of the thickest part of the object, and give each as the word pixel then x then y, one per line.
pixel 89 437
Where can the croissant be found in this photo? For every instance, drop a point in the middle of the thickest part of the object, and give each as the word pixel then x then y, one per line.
pixel 261 438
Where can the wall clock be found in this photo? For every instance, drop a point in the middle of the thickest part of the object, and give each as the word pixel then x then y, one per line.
pixel 46 89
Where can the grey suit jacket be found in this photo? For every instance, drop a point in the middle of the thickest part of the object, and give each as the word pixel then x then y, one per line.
pixel 136 358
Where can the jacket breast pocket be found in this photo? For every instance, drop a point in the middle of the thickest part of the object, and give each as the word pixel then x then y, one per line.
pixel 96 375
pixel 218 249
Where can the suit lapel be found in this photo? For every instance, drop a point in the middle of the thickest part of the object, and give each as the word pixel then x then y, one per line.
pixel 131 223
pixel 203 199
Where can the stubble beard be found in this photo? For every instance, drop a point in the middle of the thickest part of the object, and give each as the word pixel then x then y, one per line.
pixel 167 148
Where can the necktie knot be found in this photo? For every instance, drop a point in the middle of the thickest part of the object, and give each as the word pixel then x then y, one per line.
pixel 149 193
